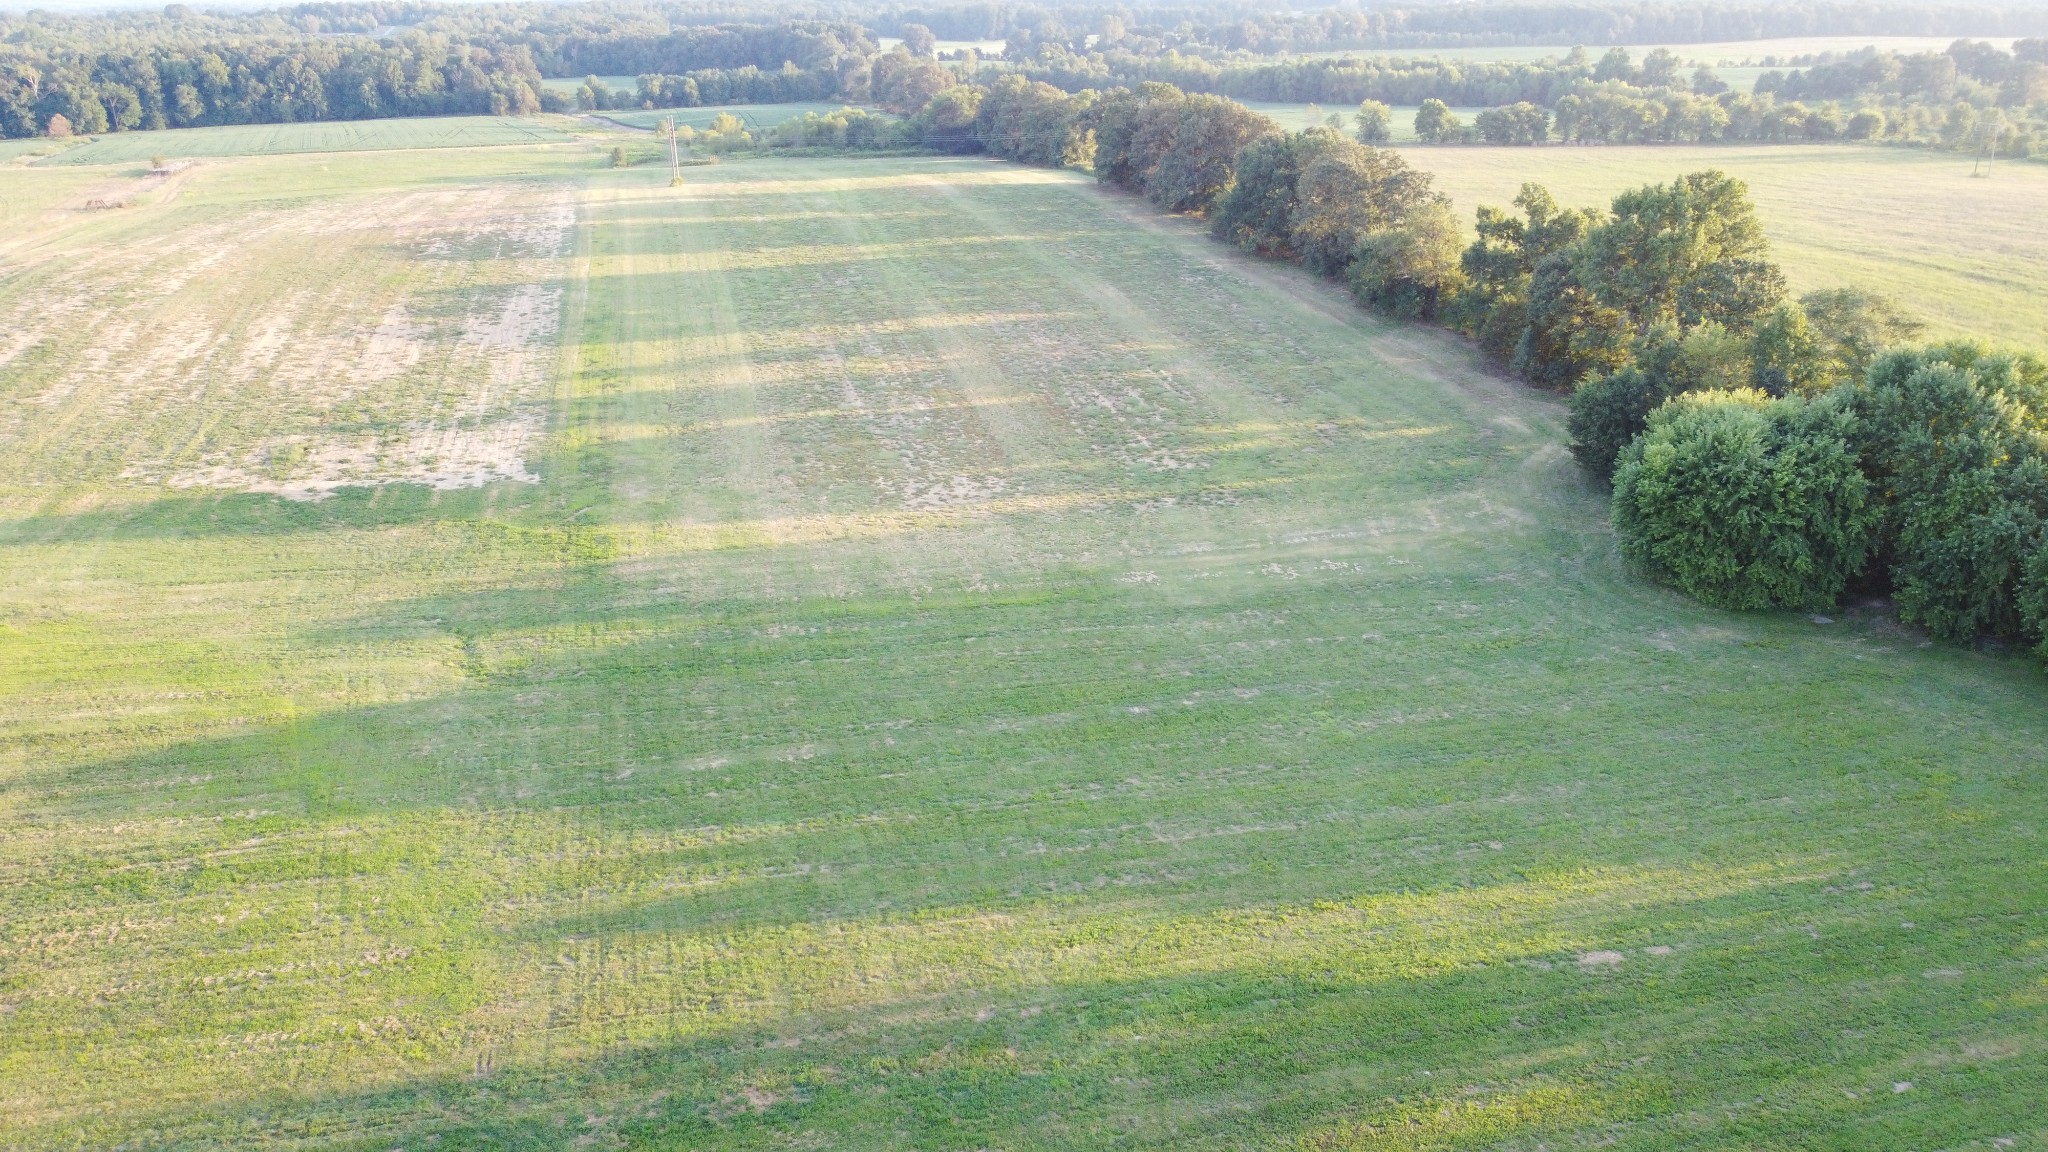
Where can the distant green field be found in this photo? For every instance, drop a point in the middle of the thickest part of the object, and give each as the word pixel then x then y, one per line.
pixel 571 83
pixel 320 136
pixel 1966 254
pixel 16 149
pixel 499 652
pixel 985 48
pixel 1295 117
pixel 754 116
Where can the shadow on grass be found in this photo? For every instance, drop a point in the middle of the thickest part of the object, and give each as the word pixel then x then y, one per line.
pixel 1508 1037
pixel 195 514
pixel 1248 1051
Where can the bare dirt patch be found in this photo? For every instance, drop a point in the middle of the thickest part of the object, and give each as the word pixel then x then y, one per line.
pixel 295 348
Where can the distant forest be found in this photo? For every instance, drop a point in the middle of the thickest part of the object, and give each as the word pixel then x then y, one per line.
pixel 1254 28
pixel 183 66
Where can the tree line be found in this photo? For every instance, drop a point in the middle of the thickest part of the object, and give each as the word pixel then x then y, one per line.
pixel 261 83
pixel 181 68
pixel 61 75
pixel 1973 96
pixel 1764 450
pixel 1259 29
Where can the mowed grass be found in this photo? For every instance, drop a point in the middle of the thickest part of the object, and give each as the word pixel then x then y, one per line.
pixel 980 666
pixel 323 136
pixel 1966 254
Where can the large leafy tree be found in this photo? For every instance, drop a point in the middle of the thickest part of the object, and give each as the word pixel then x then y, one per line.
pixel 1197 166
pixel 903 82
pixel 1409 269
pixel 1435 122
pixel 1851 326
pixel 1257 213
pixel 1133 131
pixel 1685 254
pixel 1346 192
pixel 1522 123
pixel 947 121
pixel 1688 252
pixel 1498 265
pixel 1179 150
pixel 1030 121
pixel 1570 333
pixel 1375 122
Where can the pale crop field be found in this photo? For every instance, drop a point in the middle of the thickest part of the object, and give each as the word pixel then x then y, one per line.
pixel 1968 254
pixel 913 653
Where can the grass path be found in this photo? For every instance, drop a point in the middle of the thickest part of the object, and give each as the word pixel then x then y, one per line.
pixel 978 666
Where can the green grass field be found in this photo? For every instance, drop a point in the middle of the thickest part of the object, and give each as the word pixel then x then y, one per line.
pixel 324 136
pixel 914 653
pixel 1966 254
pixel 572 83
pixel 22 151
pixel 755 116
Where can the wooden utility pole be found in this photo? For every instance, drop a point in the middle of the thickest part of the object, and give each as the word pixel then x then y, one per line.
pixel 675 156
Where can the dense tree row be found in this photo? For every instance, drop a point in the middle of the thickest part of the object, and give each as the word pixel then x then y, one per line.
pixel 608 36
pixel 1616 100
pixel 746 85
pixel 353 60
pixel 1969 69
pixel 414 75
pixel 1178 150
pixel 183 69
pixel 1262 29
pixel 1345 80
pixel 848 128
pixel 1620 115
pixel 810 46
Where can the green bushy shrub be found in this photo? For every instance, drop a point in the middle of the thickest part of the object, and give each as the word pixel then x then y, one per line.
pixel 2033 597
pixel 1747 502
pixel 1609 411
pixel 1953 437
